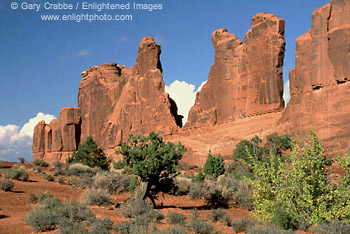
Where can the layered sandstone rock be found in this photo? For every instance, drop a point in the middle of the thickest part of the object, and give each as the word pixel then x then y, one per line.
pixel 319 82
pixel 246 78
pixel 117 101
pixel 114 102
pixel 62 136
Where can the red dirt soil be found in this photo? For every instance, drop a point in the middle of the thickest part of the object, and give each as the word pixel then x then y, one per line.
pixel 15 205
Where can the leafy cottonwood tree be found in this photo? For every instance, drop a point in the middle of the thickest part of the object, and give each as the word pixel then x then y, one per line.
pixel 153 160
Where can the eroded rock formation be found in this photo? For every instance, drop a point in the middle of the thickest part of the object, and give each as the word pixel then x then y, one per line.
pixel 57 140
pixel 114 101
pixel 242 98
pixel 319 83
pixel 246 78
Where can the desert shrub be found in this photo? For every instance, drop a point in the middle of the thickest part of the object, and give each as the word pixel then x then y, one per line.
pixel 153 160
pixel 40 162
pixel 199 226
pixel 68 226
pixel 241 225
pixel 81 170
pixel 79 182
pixel 214 165
pixel 197 190
pixel 176 229
pixel 182 186
pixel 97 197
pixel 68 217
pixel 58 164
pixel 215 198
pixel 267 229
pixel 134 207
pixel 237 192
pixel 332 228
pixel 37 169
pixel 101 226
pixel 175 218
pixel 16 173
pixel 227 220
pixel 145 219
pixel 34 198
pixel 60 180
pixel 21 160
pixel 199 178
pixel 91 155
pixel 217 214
pixel 48 177
pixel 114 183
pixel 1 165
pixel 6 185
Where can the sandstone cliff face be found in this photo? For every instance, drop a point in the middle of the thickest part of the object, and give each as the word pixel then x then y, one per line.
pixel 114 101
pixel 242 98
pixel 56 141
pixel 319 82
pixel 246 78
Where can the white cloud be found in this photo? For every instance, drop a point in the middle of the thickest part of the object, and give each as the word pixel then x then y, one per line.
pixel 17 142
pixel 83 53
pixel 286 93
pixel 184 95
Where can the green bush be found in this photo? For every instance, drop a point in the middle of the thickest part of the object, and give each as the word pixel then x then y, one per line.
pixel 214 165
pixel 153 160
pixel 89 154
pixel 287 190
pixel 199 178
pixel 6 185
pixel 40 162
pixel 97 197
pixel 16 173
pixel 176 218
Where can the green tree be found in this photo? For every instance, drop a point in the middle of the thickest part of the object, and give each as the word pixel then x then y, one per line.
pixel 214 165
pixel 295 187
pixel 153 160
pixel 91 155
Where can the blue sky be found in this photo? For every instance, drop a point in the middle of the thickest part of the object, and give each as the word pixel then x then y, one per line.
pixel 41 61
